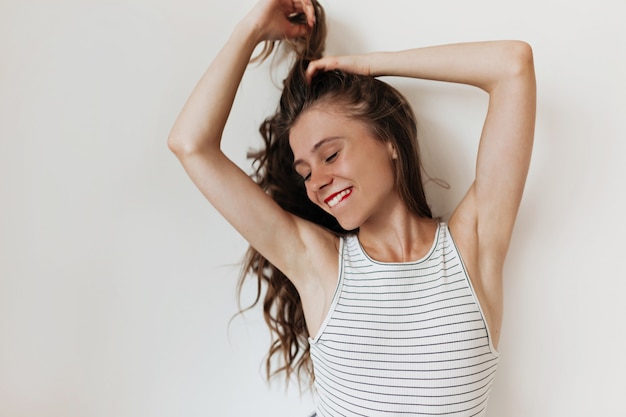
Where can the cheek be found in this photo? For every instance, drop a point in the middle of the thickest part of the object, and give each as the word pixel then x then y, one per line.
pixel 313 199
pixel 311 195
pixel 382 175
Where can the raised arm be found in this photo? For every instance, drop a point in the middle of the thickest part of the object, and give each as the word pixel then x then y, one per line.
pixel 482 223
pixel 504 69
pixel 196 135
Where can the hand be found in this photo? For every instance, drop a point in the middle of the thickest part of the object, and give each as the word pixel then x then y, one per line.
pixel 276 19
pixel 355 64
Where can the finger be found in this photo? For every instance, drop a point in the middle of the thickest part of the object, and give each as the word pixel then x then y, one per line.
pixel 306 7
pixel 309 10
pixel 310 73
pixel 315 67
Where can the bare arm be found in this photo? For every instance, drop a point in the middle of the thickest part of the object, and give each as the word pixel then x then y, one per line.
pixel 482 223
pixel 196 135
pixel 504 69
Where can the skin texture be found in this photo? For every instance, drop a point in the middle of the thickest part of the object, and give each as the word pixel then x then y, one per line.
pixel 335 153
pixel 483 221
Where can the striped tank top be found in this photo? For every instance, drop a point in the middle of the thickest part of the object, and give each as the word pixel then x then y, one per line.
pixel 403 339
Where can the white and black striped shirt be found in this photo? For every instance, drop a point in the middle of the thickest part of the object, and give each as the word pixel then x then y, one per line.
pixel 403 339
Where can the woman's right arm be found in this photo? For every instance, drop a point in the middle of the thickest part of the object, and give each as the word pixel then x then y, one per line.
pixel 196 135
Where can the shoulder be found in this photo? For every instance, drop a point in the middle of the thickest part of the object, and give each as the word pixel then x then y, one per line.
pixel 483 265
pixel 314 271
pixel 463 227
pixel 317 263
pixel 483 260
pixel 481 237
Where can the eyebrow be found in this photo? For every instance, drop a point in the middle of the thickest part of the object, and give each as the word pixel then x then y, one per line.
pixel 316 148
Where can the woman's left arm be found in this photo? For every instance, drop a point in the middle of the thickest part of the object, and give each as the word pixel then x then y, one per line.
pixel 505 70
pixel 482 223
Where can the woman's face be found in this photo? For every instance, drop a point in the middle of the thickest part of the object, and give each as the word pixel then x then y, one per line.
pixel 347 171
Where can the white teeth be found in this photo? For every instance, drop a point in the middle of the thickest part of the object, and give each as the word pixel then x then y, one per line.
pixel 336 199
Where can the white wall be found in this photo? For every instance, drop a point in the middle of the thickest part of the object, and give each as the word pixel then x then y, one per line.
pixel 117 280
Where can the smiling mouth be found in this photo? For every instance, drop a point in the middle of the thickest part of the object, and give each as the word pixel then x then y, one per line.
pixel 336 198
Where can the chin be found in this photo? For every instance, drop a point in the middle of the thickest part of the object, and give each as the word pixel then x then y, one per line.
pixel 349 224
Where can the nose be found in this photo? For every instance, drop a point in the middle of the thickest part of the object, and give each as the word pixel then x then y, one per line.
pixel 319 179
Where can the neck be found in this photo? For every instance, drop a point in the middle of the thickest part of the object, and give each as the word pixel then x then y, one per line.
pixel 400 236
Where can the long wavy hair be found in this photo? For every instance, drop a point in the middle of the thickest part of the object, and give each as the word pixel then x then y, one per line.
pixel 389 116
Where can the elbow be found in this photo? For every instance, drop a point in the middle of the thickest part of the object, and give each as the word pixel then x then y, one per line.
pixel 175 145
pixel 520 59
pixel 514 66
pixel 182 147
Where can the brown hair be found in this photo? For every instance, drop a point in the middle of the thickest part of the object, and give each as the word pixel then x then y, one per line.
pixel 389 116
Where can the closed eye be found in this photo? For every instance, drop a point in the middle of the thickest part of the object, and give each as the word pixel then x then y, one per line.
pixel 329 159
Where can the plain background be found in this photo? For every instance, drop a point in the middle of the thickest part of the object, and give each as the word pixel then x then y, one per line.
pixel 117 280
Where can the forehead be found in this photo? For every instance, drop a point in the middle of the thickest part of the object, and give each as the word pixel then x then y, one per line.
pixel 318 117
pixel 317 124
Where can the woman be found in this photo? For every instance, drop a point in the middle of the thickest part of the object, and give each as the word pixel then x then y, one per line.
pixel 390 311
